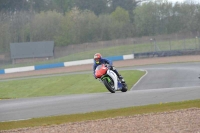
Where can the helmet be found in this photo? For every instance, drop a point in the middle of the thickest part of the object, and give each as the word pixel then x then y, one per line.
pixel 97 57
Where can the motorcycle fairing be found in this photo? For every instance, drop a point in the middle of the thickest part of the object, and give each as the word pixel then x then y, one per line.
pixel 114 77
pixel 100 70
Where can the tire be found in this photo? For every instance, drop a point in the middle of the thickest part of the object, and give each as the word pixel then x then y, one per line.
pixel 124 88
pixel 109 85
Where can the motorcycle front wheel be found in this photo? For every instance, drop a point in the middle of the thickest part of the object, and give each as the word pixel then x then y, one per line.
pixel 109 85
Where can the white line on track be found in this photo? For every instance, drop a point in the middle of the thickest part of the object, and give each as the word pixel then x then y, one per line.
pixel 17 120
pixel 140 78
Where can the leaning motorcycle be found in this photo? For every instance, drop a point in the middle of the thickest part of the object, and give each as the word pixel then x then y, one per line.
pixel 109 79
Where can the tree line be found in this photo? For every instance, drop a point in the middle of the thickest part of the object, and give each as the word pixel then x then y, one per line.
pixel 80 21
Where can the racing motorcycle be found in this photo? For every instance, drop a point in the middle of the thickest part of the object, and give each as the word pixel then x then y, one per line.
pixel 109 79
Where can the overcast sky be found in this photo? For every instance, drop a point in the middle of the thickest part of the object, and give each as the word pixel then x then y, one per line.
pixel 198 1
pixel 174 1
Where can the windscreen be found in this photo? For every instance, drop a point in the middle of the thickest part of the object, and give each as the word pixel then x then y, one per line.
pixel 98 67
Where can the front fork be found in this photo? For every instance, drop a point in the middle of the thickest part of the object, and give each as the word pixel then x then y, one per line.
pixel 114 77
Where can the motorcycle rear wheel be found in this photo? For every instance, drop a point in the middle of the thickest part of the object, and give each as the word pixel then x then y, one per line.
pixel 124 87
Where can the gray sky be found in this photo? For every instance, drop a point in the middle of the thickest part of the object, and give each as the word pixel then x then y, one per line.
pixel 174 1
pixel 198 1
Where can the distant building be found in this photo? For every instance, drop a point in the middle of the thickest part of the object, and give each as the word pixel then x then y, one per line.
pixel 31 51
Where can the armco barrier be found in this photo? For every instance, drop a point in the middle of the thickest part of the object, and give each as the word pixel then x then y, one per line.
pixel 19 69
pixel 79 62
pixel 47 66
pixel 2 72
pixel 115 58
pixel 62 64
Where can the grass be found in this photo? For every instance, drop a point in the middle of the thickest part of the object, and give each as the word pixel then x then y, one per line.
pixel 131 111
pixel 60 85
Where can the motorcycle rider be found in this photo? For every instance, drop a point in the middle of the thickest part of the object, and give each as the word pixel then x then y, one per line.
pixel 98 60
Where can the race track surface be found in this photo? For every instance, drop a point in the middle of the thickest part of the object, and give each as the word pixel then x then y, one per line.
pixel 162 83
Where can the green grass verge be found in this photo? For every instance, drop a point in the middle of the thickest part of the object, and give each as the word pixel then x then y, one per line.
pixel 60 85
pixel 131 111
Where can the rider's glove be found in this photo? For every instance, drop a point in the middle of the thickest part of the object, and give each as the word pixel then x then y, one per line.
pixel 95 77
pixel 107 65
pixel 110 67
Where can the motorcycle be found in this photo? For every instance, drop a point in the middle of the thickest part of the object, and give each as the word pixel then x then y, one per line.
pixel 110 79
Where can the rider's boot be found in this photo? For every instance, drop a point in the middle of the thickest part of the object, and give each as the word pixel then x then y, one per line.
pixel 118 75
pixel 121 79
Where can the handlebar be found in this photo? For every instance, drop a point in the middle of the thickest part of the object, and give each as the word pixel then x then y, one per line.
pixel 107 65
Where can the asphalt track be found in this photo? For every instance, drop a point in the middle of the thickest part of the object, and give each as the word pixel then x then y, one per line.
pixel 162 83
